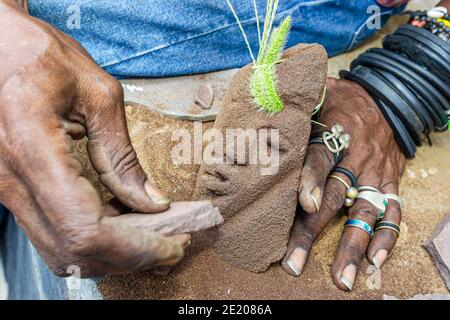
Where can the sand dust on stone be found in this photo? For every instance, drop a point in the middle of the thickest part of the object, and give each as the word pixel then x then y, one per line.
pixel 204 275
pixel 259 209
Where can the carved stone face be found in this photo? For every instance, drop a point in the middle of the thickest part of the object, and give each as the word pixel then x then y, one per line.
pixel 258 200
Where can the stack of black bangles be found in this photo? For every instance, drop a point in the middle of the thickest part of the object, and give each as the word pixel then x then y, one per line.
pixel 409 80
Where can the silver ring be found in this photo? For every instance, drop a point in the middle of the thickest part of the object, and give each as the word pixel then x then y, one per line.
pixel 377 199
pixel 338 137
pixel 368 188
pixel 390 196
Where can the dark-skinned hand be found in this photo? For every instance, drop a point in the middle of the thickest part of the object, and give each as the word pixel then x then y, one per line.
pixel 374 158
pixel 52 93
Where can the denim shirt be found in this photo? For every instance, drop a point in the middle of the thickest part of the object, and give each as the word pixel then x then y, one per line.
pixel 155 38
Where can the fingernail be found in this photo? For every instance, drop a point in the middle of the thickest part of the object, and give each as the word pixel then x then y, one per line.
pixel 155 194
pixel 348 276
pixel 185 245
pixel 183 240
pixel 162 200
pixel 316 196
pixel 379 258
pixel 297 260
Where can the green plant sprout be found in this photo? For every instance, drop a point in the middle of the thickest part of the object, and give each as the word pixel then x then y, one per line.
pixel 272 41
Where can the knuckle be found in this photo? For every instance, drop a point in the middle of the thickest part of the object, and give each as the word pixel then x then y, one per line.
pixel 385 239
pixel 354 250
pixel 110 90
pixel 365 210
pixel 59 270
pixel 394 209
pixel 58 266
pixel 82 241
pixel 324 153
pixel 307 236
pixel 333 201
pixel 124 160
pixel 395 213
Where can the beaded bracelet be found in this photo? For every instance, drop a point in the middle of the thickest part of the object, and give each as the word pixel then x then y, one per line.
pixel 436 20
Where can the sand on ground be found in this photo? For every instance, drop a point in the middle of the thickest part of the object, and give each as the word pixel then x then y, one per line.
pixel 204 275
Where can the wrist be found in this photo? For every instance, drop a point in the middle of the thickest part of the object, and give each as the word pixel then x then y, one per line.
pixel 445 3
pixel 391 3
pixel 21 5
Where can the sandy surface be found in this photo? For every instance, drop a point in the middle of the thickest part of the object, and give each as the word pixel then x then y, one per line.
pixel 204 275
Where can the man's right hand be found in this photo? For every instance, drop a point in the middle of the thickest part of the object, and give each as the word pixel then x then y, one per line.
pixel 51 93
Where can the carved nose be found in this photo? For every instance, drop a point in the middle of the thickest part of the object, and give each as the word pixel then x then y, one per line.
pixel 221 176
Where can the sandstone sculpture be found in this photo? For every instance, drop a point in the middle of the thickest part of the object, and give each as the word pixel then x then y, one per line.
pixel 259 208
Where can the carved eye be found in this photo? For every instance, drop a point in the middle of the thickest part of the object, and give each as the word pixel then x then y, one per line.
pixel 278 145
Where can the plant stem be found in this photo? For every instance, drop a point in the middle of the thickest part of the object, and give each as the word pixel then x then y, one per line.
pixel 257 22
pixel 263 81
pixel 242 30
pixel 271 9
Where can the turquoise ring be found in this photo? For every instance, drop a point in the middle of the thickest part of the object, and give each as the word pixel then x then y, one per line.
pixel 356 223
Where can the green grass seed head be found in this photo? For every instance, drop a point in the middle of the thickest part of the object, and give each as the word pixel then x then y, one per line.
pixel 263 87
pixel 263 81
pixel 277 43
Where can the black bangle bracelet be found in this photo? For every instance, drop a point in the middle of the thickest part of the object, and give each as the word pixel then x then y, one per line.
pixel 421 71
pixel 425 34
pixel 440 56
pixel 387 93
pixel 444 68
pixel 411 32
pixel 414 80
pixel 439 121
pixel 415 51
pixel 427 91
pixel 411 99
pixel 379 89
pixel 401 135
pixel 349 175
pixel 401 105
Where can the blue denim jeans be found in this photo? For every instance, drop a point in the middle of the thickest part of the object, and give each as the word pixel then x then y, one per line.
pixel 158 38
